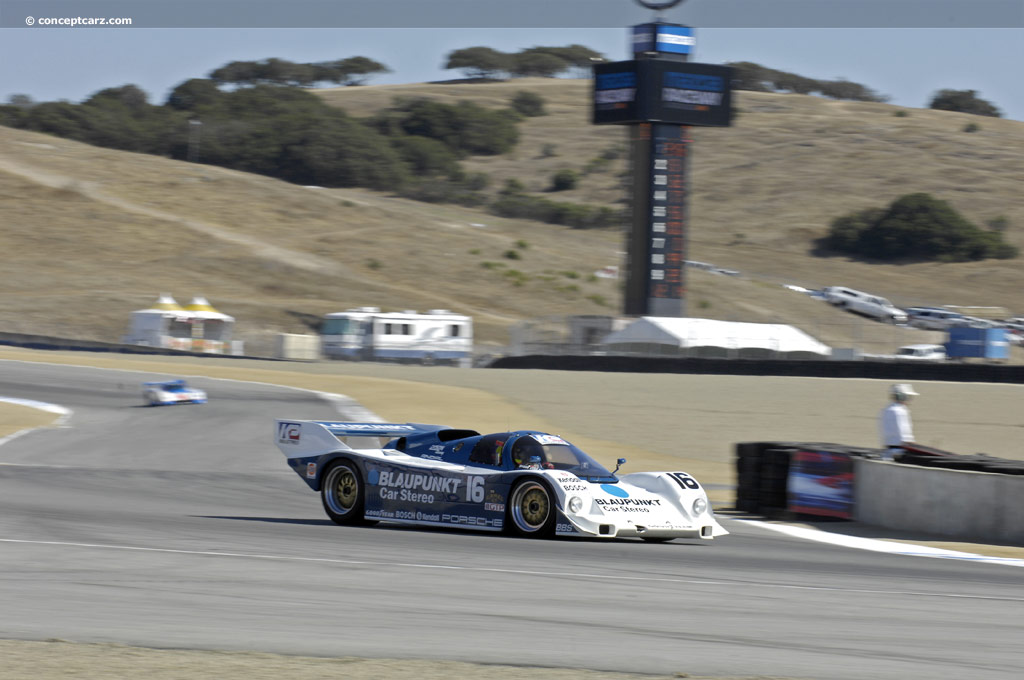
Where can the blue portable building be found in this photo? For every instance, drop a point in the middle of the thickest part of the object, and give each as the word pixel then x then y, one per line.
pixel 985 343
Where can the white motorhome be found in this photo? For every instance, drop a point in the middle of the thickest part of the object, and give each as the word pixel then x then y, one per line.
pixel 366 333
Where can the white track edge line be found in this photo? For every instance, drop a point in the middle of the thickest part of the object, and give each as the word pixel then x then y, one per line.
pixel 64 413
pixel 878 545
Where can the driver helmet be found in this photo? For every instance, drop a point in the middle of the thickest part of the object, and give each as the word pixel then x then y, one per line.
pixel 526 448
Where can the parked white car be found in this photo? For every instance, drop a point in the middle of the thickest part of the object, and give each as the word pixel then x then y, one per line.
pixel 921 353
pixel 933 318
pixel 865 304
pixel 976 322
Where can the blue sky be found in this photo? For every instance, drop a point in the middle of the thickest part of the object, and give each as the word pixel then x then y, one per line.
pixel 908 64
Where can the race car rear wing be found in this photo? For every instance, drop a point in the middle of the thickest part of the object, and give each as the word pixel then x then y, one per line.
pixel 377 429
pixel 305 438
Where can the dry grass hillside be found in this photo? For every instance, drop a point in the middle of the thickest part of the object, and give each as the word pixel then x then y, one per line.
pixel 91 234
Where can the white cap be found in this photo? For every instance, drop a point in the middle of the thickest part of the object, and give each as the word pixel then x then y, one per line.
pixel 902 391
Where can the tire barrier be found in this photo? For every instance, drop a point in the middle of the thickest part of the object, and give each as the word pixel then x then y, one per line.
pixel 763 472
pixel 884 370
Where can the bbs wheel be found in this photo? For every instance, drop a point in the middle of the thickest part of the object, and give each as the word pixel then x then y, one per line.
pixel 343 493
pixel 532 510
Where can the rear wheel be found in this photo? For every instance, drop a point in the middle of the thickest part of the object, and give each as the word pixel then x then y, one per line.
pixel 532 510
pixel 343 493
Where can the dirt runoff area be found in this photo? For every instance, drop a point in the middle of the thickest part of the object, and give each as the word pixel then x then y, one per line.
pixel 658 421
pixel 59 659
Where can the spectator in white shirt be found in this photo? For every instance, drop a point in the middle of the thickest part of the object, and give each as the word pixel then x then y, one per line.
pixel 894 420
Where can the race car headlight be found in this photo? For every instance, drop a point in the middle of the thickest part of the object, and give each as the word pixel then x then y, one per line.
pixel 575 504
pixel 700 506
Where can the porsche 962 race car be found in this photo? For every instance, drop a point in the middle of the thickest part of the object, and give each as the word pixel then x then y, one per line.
pixel 162 392
pixel 528 482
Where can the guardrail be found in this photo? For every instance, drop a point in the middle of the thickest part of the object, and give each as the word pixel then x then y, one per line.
pixel 29 341
pixel 962 504
pixel 902 371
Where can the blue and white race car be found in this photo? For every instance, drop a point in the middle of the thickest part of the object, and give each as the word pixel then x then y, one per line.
pixel 163 392
pixel 532 483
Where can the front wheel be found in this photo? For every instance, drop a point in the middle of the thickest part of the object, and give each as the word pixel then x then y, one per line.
pixel 532 510
pixel 343 493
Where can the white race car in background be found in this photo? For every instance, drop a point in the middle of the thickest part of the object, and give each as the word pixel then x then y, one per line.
pixel 162 392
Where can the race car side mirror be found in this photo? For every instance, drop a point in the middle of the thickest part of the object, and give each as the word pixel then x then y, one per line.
pixel 619 463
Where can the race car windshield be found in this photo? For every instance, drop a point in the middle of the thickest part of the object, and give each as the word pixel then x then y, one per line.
pixel 568 457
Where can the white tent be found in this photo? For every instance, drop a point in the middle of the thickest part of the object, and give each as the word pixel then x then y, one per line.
pixel 198 327
pixel 669 335
pixel 211 330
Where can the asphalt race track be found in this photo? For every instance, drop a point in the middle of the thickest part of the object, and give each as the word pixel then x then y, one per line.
pixel 181 527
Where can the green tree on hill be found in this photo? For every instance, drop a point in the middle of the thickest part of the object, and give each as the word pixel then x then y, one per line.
pixel 350 71
pixel 746 75
pixel 546 62
pixel 578 57
pixel 529 104
pixel 193 94
pixel 536 63
pixel 791 82
pixel 479 62
pixel 915 227
pixel 22 101
pixel 964 101
pixel 236 73
pixel 466 127
pixel 842 88
pixel 130 96
pixel 283 132
pixel 426 156
pixel 757 78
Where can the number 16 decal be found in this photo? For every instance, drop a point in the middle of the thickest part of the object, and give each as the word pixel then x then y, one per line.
pixel 475 490
pixel 684 480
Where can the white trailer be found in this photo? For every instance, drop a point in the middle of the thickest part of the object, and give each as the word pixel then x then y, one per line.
pixel 367 334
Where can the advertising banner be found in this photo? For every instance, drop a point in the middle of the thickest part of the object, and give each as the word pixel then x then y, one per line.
pixel 662 91
pixel 665 38
pixel 615 90
pixel 821 484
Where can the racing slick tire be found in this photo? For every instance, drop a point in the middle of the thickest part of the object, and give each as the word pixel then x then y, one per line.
pixel 531 509
pixel 343 494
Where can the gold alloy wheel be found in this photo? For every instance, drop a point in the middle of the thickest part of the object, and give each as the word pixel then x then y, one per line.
pixel 531 507
pixel 342 489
